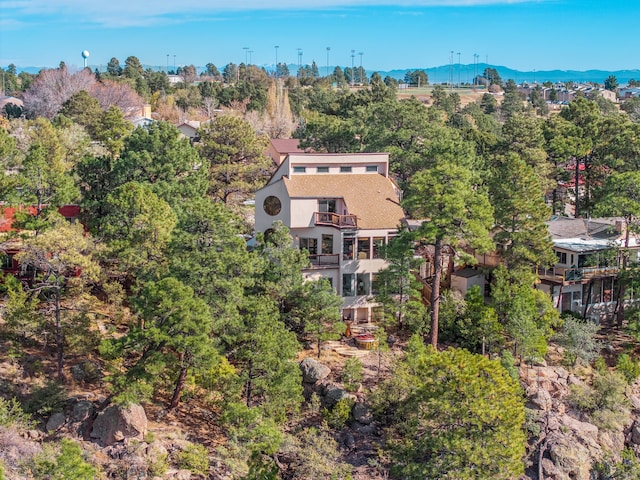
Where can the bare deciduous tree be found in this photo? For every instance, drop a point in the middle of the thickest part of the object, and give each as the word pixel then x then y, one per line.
pixel 52 88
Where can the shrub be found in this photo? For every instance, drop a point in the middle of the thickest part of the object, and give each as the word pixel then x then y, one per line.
pixel 339 415
pixel 12 415
pixel 47 399
pixel 352 374
pixel 605 402
pixel 194 458
pixel 578 338
pixel 628 367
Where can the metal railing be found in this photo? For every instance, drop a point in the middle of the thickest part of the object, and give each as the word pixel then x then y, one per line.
pixel 335 220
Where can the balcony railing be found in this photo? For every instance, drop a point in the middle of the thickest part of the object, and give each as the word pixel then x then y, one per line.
pixel 564 274
pixel 324 260
pixel 335 220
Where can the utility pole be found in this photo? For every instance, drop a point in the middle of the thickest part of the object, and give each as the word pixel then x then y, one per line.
pixel 246 52
pixel 353 77
pixel 361 73
pixel 451 71
pixel 459 70
pixel 328 49
pixel 276 47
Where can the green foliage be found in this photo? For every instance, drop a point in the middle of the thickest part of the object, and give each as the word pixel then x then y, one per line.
pixel 251 428
pixel 578 338
pixel 13 415
pixel 605 401
pixel 47 399
pixel 628 367
pixel 21 310
pixel 195 458
pixel 315 454
pixel 69 464
pixel 352 374
pixel 627 468
pixel 398 289
pixel 528 315
pixel 509 364
pixel 453 414
pixel 338 415
pixel 233 155
pixel 157 466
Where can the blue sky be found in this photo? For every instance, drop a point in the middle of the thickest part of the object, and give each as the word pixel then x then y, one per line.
pixel 520 34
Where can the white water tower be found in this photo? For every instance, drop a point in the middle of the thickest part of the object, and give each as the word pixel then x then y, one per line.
pixel 85 55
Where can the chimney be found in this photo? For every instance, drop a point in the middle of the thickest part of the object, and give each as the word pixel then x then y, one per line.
pixel 146 110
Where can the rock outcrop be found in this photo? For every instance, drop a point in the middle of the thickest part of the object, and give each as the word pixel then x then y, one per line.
pixel 117 423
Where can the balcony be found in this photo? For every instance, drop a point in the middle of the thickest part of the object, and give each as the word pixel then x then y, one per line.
pixel 335 220
pixel 324 260
pixel 576 275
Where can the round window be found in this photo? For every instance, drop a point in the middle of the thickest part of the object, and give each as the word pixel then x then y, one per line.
pixel 272 205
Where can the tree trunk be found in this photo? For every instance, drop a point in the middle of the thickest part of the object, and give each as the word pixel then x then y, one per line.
pixel 59 335
pixel 435 292
pixel 177 392
pixel 576 213
pixel 621 287
pixel 249 386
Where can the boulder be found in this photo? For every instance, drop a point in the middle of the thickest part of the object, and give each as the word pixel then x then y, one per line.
pixel 55 421
pixel 86 372
pixel 361 413
pixel 313 371
pixel 117 423
pixel 82 411
pixel 635 433
pixel 333 394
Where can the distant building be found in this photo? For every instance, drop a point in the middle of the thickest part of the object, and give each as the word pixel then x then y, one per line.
pixel 279 148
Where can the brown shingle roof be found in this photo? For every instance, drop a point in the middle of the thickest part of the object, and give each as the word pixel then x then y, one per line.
pixel 287 145
pixel 371 197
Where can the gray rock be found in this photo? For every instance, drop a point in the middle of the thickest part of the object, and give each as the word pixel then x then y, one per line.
pixel 55 421
pixel 313 371
pixel 348 440
pixel 549 468
pixel 361 413
pixel 635 433
pixel 116 423
pixel 333 394
pixel 82 411
pixel 86 372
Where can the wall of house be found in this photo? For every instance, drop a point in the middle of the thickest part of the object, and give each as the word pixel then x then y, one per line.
pixel 263 221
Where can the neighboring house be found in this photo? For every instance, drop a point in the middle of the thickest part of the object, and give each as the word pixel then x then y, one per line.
pixel 279 148
pixel 584 280
pixel 143 117
pixel 10 245
pixel 341 208
pixel 189 129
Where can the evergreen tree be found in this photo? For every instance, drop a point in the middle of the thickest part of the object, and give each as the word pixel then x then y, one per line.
pixel 454 415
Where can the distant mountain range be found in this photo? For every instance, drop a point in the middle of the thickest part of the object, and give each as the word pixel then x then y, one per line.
pixel 464 73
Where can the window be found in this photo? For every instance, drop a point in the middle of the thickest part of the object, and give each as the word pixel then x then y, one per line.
pixel 347 248
pixel 347 284
pixel 7 262
pixel 378 243
pixel 372 168
pixel 327 205
pixel 345 169
pixel 310 245
pixel 363 248
pixel 327 244
pixel 363 286
pixel 562 257
pixel 272 205
pixel 299 169
pixel 322 170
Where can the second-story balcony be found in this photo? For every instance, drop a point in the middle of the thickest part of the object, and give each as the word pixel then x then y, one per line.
pixel 324 260
pixel 576 275
pixel 335 220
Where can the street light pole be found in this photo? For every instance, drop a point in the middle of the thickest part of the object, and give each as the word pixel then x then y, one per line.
pixel 167 64
pixel 458 69
pixel 276 47
pixel 360 73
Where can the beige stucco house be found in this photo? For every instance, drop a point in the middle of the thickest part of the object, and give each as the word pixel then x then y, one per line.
pixel 341 208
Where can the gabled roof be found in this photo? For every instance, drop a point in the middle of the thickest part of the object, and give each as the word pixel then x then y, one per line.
pixel 371 197
pixel 286 145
